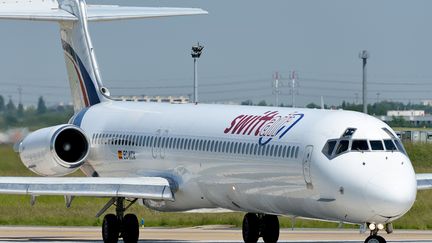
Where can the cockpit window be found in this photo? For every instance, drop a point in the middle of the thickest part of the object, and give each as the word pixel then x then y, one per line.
pixel 400 146
pixel 389 145
pixel 342 146
pixel 359 145
pixel 335 147
pixel 376 145
pixel 329 147
pixel 349 132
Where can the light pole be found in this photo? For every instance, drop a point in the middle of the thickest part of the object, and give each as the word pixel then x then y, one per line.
pixel 364 55
pixel 196 53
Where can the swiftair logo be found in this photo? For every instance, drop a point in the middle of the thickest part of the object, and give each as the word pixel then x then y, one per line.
pixel 268 126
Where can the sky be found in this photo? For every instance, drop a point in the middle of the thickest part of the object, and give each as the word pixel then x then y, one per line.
pixel 245 43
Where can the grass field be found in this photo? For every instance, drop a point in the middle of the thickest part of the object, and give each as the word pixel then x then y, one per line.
pixel 16 210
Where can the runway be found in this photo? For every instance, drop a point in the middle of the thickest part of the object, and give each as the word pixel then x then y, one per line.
pixel 198 234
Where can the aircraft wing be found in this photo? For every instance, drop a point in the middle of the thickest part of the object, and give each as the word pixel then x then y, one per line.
pixel 156 188
pixel 424 181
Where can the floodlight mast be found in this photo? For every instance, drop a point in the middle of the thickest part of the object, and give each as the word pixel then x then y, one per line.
pixel 196 53
pixel 364 55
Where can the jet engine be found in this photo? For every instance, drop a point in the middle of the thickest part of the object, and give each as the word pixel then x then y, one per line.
pixel 54 151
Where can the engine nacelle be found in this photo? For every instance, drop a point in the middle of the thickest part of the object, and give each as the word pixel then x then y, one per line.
pixel 55 151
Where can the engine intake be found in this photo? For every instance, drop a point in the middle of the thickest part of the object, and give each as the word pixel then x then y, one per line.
pixel 55 151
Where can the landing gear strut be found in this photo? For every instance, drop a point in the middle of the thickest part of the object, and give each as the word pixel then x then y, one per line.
pixel 120 225
pixel 260 225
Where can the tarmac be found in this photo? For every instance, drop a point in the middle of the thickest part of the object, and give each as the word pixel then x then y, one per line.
pixel 208 234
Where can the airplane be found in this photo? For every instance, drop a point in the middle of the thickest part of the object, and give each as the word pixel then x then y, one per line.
pixel 330 165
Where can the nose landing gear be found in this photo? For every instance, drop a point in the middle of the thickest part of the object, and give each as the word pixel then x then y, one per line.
pixel 374 237
pixel 260 225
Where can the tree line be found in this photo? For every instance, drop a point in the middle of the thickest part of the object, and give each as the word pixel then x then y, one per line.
pixel 34 117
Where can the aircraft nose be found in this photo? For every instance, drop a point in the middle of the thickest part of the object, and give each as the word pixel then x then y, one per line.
pixel 391 193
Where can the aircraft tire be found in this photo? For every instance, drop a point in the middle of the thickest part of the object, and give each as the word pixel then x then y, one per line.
pixel 110 229
pixel 130 228
pixel 250 228
pixel 270 231
pixel 375 239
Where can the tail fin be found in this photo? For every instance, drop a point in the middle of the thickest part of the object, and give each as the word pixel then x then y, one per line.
pixel 73 16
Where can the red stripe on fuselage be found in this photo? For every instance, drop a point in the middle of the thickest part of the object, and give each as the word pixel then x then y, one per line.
pixel 83 90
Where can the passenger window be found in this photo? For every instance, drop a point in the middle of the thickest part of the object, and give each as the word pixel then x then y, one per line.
pixel 297 152
pixel 205 146
pixel 329 147
pixel 189 143
pixel 255 149
pixel 169 143
pixel 388 143
pixel 271 150
pixel 162 144
pixel 376 145
pixel 259 149
pixel 284 151
pixel 200 145
pixel 150 141
pixel 292 151
pixel 181 143
pixel 342 146
pixel 195 144
pixel 129 140
pixel 134 140
pixel 212 145
pixel 359 145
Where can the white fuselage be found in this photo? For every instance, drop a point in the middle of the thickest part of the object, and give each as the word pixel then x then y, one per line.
pixel 254 159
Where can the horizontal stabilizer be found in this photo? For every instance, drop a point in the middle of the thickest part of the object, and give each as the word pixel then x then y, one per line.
pixel 106 13
pixel 37 14
pixel 155 188
pixel 50 11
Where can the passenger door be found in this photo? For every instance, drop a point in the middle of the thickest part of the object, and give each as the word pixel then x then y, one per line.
pixel 307 166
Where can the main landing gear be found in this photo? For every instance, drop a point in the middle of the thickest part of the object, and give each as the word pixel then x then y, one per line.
pixel 260 225
pixel 120 225
pixel 374 228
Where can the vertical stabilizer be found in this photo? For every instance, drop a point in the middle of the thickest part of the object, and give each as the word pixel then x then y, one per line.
pixel 73 16
pixel 83 72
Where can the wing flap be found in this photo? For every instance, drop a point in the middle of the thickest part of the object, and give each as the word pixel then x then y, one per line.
pixel 424 181
pixel 112 12
pixel 155 188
